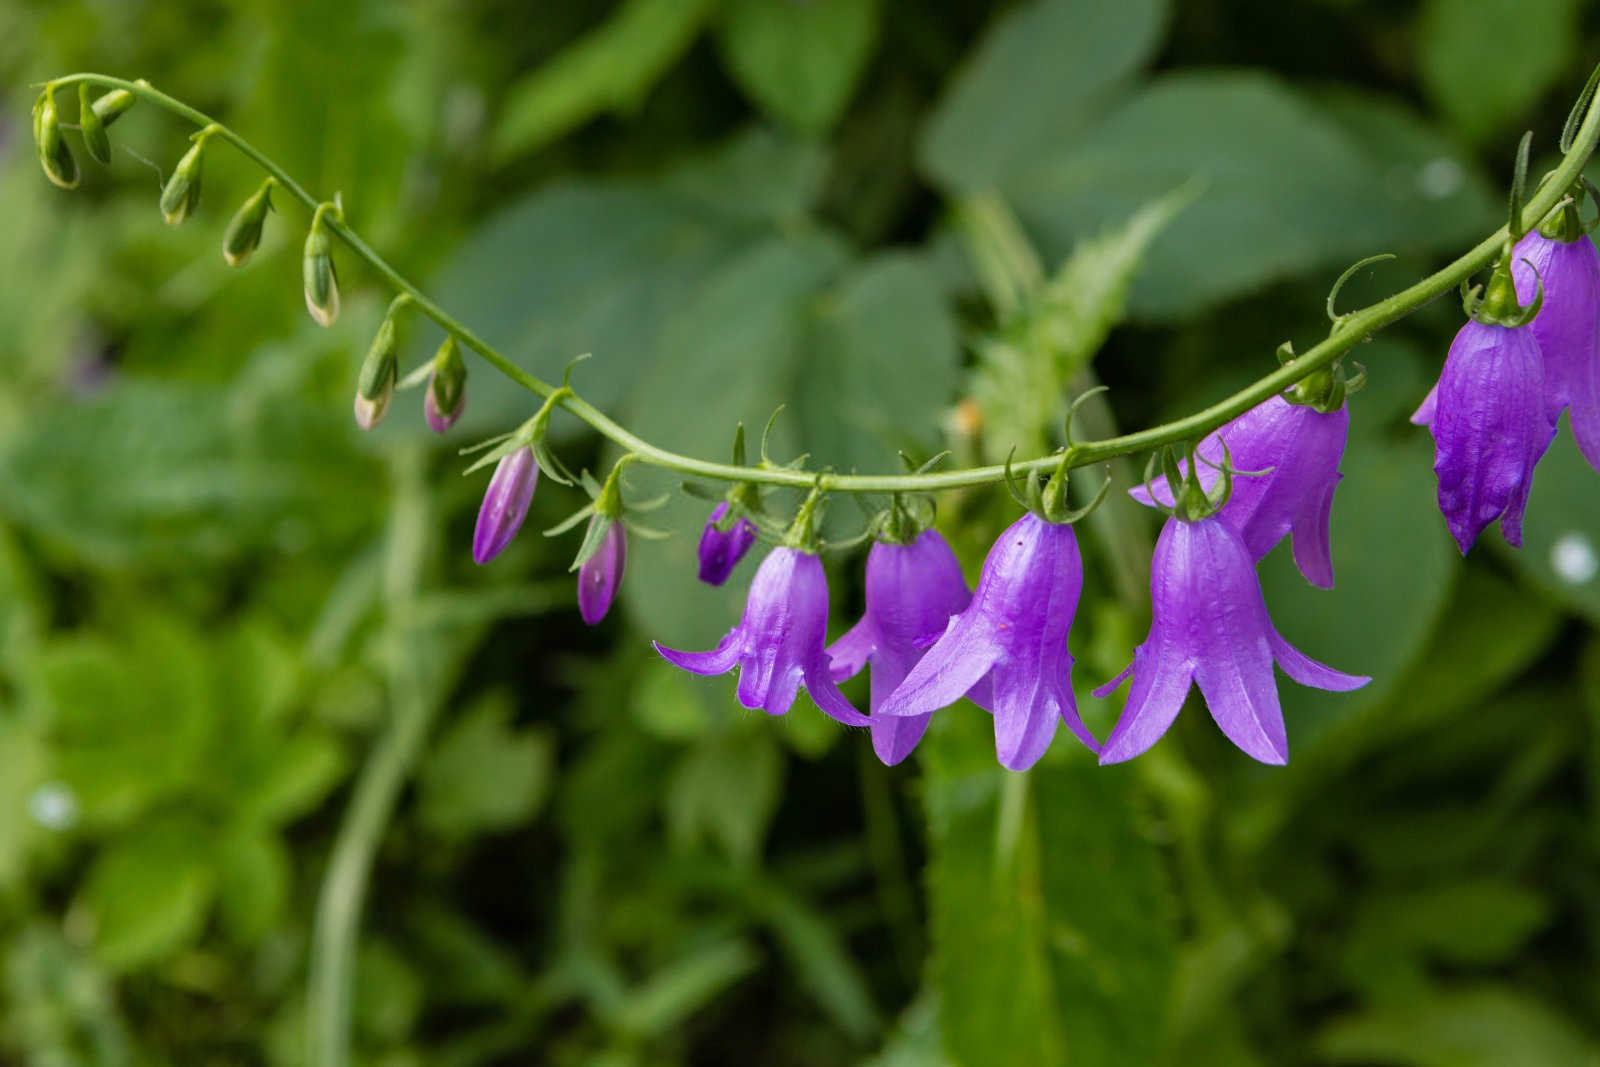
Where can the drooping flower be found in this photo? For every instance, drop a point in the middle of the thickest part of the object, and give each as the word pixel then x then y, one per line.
pixel 721 550
pixel 1567 328
pixel 1007 650
pixel 1298 449
pixel 601 573
pixel 1491 424
pixel 505 503
pixel 447 387
pixel 912 591
pixel 778 643
pixel 1210 627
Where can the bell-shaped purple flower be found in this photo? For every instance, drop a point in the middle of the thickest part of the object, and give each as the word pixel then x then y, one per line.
pixel 1298 448
pixel 778 644
pixel 1210 626
pixel 505 504
pixel 1008 650
pixel 912 591
pixel 721 550
pixel 1567 328
pixel 601 573
pixel 1491 424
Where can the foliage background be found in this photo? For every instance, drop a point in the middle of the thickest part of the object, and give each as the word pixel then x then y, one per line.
pixel 235 633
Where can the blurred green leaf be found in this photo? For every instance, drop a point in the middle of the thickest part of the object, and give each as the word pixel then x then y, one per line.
pixel 254 879
pixel 1042 72
pixel 1492 1026
pixel 1049 910
pixel 1561 530
pixel 726 789
pixel 482 775
pixel 286 778
pixel 24 760
pixel 148 893
pixel 799 60
pixel 1486 63
pixel 1284 189
pixel 880 367
pixel 673 993
pixel 609 69
pixel 388 993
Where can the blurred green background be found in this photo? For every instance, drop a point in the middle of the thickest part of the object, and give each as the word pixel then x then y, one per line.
pixel 281 770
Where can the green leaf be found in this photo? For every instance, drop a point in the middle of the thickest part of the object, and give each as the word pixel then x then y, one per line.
pixel 725 790
pixel 254 876
pixel 1491 1026
pixel 673 993
pixel 287 778
pixel 482 775
pixel 24 760
pixel 881 365
pixel 389 993
pixel 609 69
pixel 1285 189
pixel 1487 63
pixel 148 893
pixel 1051 925
pixel 728 354
pixel 1560 551
pixel 1042 72
pixel 800 60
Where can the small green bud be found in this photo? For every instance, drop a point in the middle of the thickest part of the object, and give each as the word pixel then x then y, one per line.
pixel 113 105
pixel 54 155
pixel 321 281
pixel 375 385
pixel 182 192
pixel 243 234
pixel 447 388
pixel 92 128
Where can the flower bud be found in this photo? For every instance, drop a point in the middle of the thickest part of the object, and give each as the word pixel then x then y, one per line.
pixel 447 388
pixel 93 128
pixel 322 283
pixel 505 504
pixel 181 194
pixel 601 573
pixel 54 155
pixel 113 105
pixel 378 372
pixel 243 234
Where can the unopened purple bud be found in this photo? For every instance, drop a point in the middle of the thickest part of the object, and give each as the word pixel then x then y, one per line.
pixel 601 573
pixel 447 388
pixel 505 504
pixel 721 550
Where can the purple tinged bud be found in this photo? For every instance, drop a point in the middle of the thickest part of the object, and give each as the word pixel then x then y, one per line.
pixel 721 550
pixel 1210 626
pixel 601 573
pixel 778 643
pixel 1299 448
pixel 912 592
pixel 1567 328
pixel 1491 423
pixel 439 421
pixel 505 504
pixel 1007 651
pixel 447 387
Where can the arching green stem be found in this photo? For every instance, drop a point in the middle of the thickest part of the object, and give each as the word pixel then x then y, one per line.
pixel 1354 327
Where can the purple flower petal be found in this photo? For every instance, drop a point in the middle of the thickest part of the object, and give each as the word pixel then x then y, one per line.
pixel 1567 329
pixel 721 550
pixel 601 573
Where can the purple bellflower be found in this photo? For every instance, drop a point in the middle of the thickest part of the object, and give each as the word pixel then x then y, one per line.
pixel 1298 449
pixel 778 644
pixel 721 550
pixel 1490 424
pixel 505 504
pixel 601 573
pixel 1567 328
pixel 1210 626
pixel 912 591
pixel 1008 650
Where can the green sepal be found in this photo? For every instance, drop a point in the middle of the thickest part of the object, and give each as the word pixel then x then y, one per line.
pixel 1350 272
pixel 54 155
pixel 649 533
pixel 379 369
pixel 467 450
pixel 243 235
pixel 1519 181
pixel 318 272
pixel 571 520
pixel 449 371
pixel 1078 402
pixel 181 195
pixel 738 444
pixel 593 537
pixel 93 128
pixel 1580 107
pixel 113 105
